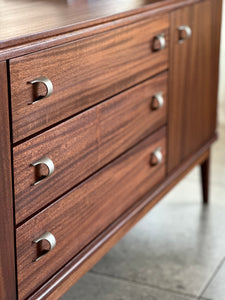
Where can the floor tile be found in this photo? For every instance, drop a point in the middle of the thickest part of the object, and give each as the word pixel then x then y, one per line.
pixel 176 246
pixel 216 289
pixel 95 287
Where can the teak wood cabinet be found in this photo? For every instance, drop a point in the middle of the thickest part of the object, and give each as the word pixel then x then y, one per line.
pixel 192 81
pixel 104 108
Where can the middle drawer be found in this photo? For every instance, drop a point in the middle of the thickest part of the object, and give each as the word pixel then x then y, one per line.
pixel 80 146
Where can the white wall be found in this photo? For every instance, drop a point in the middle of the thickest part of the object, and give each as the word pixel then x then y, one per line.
pixel 221 108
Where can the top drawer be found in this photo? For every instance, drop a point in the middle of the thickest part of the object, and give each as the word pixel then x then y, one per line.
pixel 84 72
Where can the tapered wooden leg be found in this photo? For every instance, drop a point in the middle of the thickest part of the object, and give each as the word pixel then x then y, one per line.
pixel 205 179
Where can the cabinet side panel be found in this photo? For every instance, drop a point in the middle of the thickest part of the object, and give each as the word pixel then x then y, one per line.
pixel 7 255
pixel 216 15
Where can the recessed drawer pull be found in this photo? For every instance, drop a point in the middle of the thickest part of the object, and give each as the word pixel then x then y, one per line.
pixel 48 84
pixel 157 101
pixel 156 157
pixel 48 163
pixel 49 237
pixel 159 42
pixel 185 33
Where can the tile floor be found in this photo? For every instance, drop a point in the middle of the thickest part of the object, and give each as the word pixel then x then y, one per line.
pixel 176 252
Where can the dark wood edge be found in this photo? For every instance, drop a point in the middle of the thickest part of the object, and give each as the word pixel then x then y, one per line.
pixel 205 173
pixel 8 288
pixel 89 256
pixel 29 44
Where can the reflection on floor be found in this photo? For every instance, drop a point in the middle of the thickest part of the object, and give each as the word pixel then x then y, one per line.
pixel 176 252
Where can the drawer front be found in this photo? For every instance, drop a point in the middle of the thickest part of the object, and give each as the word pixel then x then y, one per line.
pixel 83 73
pixel 83 144
pixel 81 215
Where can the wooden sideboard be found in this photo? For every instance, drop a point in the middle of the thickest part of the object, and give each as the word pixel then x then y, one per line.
pixel 104 107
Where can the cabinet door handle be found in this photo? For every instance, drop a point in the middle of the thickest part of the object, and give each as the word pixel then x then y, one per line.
pixel 157 101
pixel 185 33
pixel 49 237
pixel 48 85
pixel 48 163
pixel 156 157
pixel 159 42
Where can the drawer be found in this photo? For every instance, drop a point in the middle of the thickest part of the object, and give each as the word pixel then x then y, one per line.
pixel 78 217
pixel 83 73
pixel 85 143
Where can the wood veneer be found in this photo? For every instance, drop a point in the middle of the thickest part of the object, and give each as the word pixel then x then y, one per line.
pixel 84 144
pixel 84 73
pixel 64 28
pixel 90 255
pixel 51 18
pixel 193 79
pixel 7 250
pixel 82 214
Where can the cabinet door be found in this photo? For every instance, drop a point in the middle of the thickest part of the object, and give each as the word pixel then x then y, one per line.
pixel 193 78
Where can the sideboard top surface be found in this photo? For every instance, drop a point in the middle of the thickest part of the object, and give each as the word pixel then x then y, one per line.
pixel 23 21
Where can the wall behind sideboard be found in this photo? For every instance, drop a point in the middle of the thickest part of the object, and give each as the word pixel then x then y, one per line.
pixel 221 109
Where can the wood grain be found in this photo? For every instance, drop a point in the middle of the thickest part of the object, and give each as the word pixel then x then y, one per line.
pixel 73 148
pixel 193 80
pixel 84 73
pixel 23 45
pixel 85 143
pixel 56 286
pixel 81 215
pixel 50 19
pixel 7 251
pixel 101 29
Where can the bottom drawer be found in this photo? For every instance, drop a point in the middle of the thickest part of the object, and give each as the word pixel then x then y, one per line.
pixel 78 217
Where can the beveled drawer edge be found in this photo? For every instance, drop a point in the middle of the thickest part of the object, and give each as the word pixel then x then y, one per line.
pixel 56 286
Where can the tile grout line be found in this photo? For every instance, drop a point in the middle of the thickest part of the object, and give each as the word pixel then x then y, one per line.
pixel 212 277
pixel 146 285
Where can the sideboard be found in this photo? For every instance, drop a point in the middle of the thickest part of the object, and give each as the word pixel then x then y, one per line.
pixel 104 107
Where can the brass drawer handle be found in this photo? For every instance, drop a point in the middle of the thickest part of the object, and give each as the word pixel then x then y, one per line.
pixel 157 101
pixel 159 42
pixel 48 163
pixel 48 85
pixel 156 157
pixel 185 33
pixel 49 237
